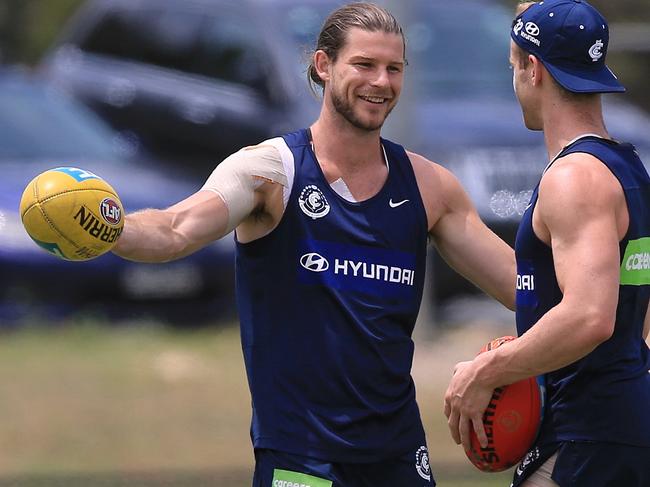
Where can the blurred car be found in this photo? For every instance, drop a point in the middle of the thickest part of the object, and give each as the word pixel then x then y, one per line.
pixel 209 76
pixel 194 80
pixel 41 128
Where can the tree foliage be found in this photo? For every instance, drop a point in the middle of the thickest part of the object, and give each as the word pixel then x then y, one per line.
pixel 28 27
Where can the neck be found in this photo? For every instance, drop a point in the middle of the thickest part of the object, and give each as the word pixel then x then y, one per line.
pixel 338 143
pixel 565 120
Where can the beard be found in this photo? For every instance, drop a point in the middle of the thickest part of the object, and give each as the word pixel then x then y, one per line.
pixel 344 108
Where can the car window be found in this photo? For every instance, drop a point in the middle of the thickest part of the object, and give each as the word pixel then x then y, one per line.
pixel 145 35
pixel 224 48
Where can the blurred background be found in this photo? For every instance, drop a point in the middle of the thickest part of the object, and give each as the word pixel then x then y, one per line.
pixel 115 373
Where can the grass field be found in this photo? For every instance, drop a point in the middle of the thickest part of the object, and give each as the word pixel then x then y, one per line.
pixel 88 405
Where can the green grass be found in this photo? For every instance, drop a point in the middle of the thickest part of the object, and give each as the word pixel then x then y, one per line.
pixel 207 479
pixel 90 405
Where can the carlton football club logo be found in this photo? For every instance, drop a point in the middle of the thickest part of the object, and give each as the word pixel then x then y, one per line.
pixel 422 464
pixel 530 457
pixel 595 51
pixel 313 203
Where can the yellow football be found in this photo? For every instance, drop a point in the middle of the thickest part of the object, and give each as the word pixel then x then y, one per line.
pixel 72 213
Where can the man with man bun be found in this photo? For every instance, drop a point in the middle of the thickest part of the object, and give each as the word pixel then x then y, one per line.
pixel 332 224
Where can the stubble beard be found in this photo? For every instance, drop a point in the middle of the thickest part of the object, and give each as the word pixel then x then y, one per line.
pixel 345 109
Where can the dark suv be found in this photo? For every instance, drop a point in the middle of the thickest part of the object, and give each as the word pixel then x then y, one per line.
pixel 198 79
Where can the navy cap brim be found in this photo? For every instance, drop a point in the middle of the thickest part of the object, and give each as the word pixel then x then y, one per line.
pixel 578 81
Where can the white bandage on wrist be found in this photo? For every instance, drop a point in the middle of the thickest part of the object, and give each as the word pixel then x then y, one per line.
pixel 240 174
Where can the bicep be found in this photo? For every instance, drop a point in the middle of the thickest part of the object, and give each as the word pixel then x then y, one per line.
pixel 584 240
pixel 586 255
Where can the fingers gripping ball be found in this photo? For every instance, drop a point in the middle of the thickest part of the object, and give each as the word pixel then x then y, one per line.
pixel 511 422
pixel 72 213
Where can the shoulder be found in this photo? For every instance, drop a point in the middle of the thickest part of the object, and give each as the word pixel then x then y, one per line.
pixel 267 150
pixel 427 171
pixel 433 177
pixel 440 190
pixel 580 179
pixel 253 169
pixel 576 190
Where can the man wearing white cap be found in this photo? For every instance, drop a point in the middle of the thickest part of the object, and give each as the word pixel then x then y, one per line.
pixel 584 242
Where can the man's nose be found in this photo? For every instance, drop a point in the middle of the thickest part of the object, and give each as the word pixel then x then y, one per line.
pixel 381 78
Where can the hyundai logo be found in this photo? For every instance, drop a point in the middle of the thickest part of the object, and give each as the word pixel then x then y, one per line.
pixel 314 262
pixel 532 29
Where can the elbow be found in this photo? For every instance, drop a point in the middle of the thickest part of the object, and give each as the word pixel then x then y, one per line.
pixel 510 286
pixel 509 296
pixel 511 302
pixel 178 247
pixel 599 326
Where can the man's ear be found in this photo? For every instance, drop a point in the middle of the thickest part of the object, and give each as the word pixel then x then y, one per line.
pixel 537 70
pixel 322 64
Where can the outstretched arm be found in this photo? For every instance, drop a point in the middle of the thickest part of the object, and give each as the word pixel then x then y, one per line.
pixel 163 235
pixel 462 239
pixel 241 192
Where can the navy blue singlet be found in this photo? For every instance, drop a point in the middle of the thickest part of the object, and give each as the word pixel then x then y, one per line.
pixel 328 302
pixel 605 396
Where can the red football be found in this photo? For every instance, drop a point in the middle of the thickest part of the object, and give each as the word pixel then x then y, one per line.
pixel 511 422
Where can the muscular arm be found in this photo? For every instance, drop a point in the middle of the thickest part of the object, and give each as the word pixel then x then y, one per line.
pixel 585 246
pixel 243 191
pixel 460 236
pixel 163 235
pixel 584 243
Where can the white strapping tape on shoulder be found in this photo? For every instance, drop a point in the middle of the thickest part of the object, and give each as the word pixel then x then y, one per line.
pixel 240 174
pixel 287 164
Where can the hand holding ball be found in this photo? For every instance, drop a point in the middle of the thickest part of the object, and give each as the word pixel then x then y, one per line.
pixel 72 213
pixel 511 422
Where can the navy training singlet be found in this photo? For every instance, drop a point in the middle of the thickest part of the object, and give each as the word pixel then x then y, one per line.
pixel 605 396
pixel 327 302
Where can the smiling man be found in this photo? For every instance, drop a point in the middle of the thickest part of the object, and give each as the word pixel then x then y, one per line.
pixel 332 225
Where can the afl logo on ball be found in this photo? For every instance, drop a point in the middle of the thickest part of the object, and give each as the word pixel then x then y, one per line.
pixel 313 203
pixel 110 211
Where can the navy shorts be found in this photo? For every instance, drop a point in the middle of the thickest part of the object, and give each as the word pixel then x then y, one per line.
pixel 590 464
pixel 279 469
